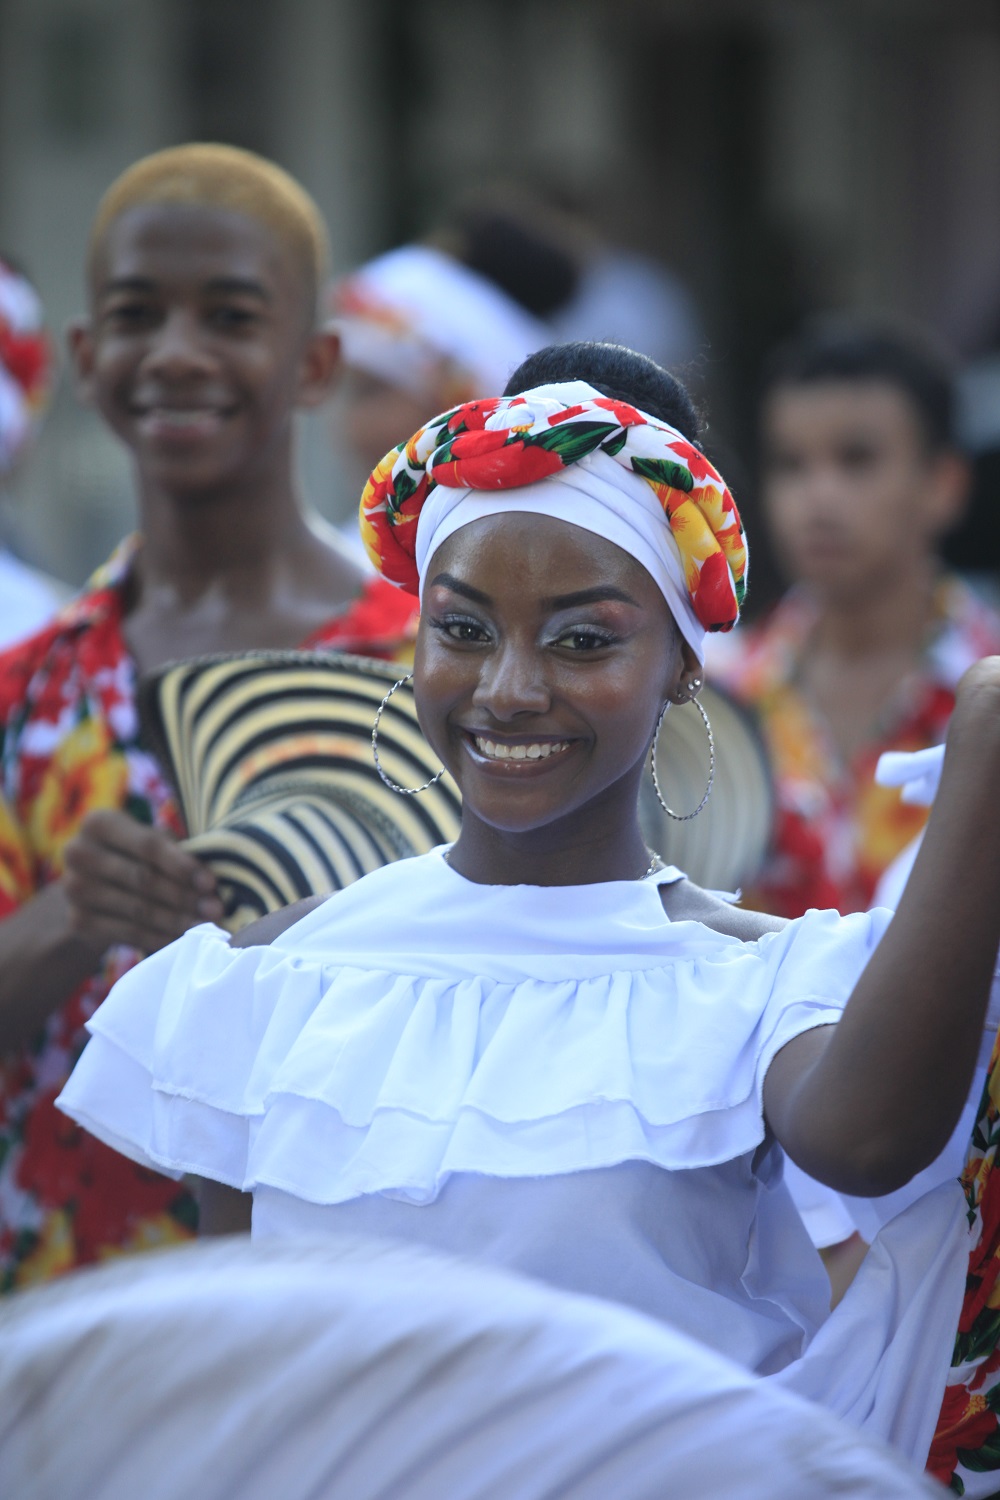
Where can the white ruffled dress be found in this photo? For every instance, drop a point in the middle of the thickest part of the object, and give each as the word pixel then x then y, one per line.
pixel 559 1080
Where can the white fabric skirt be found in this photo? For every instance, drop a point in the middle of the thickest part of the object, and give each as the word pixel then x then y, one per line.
pixel 352 1370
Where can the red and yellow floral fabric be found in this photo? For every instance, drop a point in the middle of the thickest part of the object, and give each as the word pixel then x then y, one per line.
pixel 69 744
pixel 967 1440
pixel 836 830
pixel 509 441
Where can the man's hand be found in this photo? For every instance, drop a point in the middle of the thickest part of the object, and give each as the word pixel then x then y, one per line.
pixel 125 882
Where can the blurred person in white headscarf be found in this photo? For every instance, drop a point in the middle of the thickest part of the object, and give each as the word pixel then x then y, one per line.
pixel 27 597
pixel 420 332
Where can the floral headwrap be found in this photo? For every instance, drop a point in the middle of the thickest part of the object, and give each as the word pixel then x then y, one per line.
pixel 599 447
pixel 25 364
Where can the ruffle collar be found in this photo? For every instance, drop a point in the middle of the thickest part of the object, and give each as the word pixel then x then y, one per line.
pixel 418 1025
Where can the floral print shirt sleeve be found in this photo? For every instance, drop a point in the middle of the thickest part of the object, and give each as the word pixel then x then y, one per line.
pixel 836 830
pixel 965 1453
pixel 69 745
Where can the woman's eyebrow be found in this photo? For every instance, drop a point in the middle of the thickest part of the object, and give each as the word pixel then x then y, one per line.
pixel 449 581
pixel 597 595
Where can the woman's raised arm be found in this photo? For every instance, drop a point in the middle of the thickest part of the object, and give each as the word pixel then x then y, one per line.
pixel 866 1104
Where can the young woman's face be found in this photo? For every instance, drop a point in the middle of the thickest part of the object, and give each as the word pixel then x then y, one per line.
pixel 544 656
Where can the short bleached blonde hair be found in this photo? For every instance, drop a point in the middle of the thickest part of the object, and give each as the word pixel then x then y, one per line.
pixel 224 177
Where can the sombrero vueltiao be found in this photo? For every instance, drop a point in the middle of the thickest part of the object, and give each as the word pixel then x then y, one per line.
pixel 271 757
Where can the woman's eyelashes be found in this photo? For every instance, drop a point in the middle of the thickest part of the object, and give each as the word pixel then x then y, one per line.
pixel 466 630
pixel 584 638
pixel 463 629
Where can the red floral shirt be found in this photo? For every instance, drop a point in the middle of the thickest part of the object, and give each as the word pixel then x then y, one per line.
pixel 836 830
pixel 69 744
pixel 967 1440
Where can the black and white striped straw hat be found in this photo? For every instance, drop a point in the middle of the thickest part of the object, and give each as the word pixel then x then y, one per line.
pixel 270 754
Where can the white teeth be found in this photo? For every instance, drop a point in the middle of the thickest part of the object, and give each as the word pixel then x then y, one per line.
pixel 495 751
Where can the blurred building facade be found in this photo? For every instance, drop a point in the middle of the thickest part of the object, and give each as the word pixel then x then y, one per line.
pixel 779 155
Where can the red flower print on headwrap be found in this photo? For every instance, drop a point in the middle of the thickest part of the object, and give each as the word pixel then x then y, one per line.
pixel 507 442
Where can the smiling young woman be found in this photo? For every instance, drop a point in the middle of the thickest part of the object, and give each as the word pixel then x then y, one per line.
pixel 542 703
pixel 540 1047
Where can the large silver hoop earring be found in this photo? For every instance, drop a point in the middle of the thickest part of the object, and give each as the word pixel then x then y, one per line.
pixel 684 817
pixel 404 791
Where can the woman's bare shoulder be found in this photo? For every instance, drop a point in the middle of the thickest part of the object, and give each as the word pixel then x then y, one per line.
pixel 686 902
pixel 264 931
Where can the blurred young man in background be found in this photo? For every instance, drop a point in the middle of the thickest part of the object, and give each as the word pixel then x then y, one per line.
pixel 860 480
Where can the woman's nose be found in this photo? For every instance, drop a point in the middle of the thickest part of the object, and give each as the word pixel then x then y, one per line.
pixel 512 682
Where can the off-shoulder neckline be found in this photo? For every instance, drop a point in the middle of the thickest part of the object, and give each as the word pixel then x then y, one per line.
pixel 666 875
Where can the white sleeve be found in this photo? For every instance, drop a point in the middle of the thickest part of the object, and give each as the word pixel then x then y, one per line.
pixel 174 1093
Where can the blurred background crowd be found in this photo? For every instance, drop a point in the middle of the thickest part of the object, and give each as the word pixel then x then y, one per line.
pixel 712 172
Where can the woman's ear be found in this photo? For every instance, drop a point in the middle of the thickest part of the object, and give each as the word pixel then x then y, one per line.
pixel 80 343
pixel 320 368
pixel 690 677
